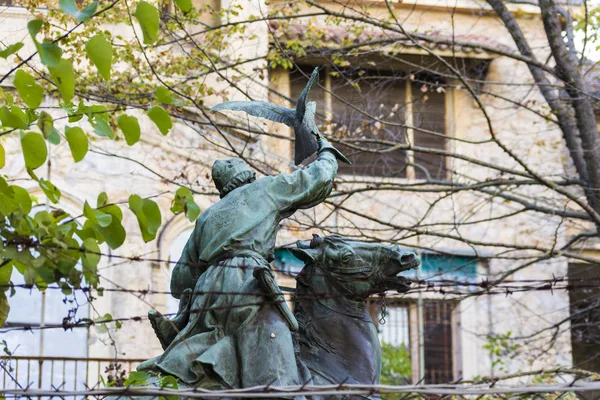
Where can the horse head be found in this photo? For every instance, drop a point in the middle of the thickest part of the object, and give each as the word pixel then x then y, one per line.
pixel 362 268
pixel 337 337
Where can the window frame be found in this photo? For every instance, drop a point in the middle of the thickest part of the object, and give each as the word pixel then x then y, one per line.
pixel 409 121
pixel 416 324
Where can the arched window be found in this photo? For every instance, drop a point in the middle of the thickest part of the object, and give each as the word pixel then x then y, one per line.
pixel 175 250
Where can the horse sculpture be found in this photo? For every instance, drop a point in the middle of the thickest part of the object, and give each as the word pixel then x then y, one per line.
pixel 337 340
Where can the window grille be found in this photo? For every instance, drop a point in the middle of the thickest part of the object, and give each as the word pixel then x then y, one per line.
pixel 438 341
pixel 401 329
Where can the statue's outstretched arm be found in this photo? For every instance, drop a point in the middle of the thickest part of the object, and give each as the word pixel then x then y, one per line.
pixel 308 186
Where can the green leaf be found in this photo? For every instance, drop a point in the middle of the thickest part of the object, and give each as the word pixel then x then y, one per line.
pixel 22 258
pixel 137 378
pixel 78 142
pixel 11 49
pixel 102 128
pixel 51 191
pixel 23 198
pixel 114 234
pixel 65 288
pixel 100 51
pixel 31 93
pixel 101 323
pixel 34 26
pixel 103 219
pixel 75 116
pixel 164 95
pixel 5 273
pixel 13 117
pixel 96 111
pixel 50 54
pixel 54 137
pixel 26 270
pixel 2 156
pixel 161 118
pixel 192 210
pixel 90 259
pixel 45 275
pixel 102 200
pixel 184 202
pixel 148 216
pixel 64 78
pixel 31 116
pixel 148 17
pixel 69 7
pixel 4 308
pixel 130 127
pixel 34 150
pixel 75 277
pixel 169 382
pixel 46 124
pixel 98 217
pixel 184 5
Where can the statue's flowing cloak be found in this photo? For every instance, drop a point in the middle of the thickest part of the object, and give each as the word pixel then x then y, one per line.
pixel 233 332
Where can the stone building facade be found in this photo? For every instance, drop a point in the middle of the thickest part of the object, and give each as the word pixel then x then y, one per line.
pixel 458 329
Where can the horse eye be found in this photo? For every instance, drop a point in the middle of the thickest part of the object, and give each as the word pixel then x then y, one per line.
pixel 346 257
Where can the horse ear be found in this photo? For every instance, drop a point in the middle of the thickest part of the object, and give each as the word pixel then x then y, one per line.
pixel 316 241
pixel 308 256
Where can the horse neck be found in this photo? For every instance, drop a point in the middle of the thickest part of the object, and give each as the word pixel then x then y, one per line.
pixel 337 335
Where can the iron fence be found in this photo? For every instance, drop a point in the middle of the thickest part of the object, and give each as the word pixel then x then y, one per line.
pixel 60 373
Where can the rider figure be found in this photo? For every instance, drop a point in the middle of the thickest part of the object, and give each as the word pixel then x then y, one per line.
pixel 234 329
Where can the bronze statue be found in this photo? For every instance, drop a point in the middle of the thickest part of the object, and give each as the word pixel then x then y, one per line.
pixel 234 328
pixel 337 340
pixel 233 334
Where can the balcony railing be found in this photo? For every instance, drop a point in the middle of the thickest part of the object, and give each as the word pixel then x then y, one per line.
pixel 60 372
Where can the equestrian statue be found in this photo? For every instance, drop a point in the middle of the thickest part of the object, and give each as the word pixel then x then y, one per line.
pixel 234 328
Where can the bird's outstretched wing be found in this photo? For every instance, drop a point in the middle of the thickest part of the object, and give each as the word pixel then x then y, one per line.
pixel 305 144
pixel 301 106
pixel 261 109
pixel 309 117
pixel 309 144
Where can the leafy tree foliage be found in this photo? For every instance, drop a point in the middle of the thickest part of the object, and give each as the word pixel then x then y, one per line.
pixel 50 246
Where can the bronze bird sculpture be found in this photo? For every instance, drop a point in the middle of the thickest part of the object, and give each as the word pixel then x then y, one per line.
pixel 301 119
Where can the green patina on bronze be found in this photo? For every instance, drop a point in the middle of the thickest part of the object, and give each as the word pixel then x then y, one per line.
pixel 232 333
pixel 233 328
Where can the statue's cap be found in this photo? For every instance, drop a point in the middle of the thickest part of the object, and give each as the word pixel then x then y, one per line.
pixel 224 171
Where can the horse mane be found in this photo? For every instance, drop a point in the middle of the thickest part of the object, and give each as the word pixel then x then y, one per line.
pixel 335 238
pixel 312 337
